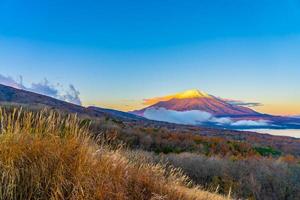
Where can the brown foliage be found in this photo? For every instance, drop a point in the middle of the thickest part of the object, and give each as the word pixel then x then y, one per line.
pixel 46 156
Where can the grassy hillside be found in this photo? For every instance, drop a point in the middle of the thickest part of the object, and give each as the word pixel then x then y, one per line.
pixel 46 156
pixel 157 136
pixel 165 137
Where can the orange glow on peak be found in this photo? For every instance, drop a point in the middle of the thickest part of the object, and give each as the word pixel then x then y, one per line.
pixel 194 93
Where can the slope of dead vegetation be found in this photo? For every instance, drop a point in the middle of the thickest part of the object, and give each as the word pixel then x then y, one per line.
pixel 46 156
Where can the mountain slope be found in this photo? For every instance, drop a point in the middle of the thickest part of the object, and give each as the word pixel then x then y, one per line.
pixel 10 96
pixel 62 161
pixel 198 100
pixel 199 108
pixel 130 125
pixel 116 113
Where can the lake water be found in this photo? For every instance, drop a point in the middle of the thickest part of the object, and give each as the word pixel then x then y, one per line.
pixel 281 132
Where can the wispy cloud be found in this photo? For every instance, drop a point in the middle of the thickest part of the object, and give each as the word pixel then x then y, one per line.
pixel 9 81
pixel 58 91
pixel 197 117
pixel 242 103
pixel 295 116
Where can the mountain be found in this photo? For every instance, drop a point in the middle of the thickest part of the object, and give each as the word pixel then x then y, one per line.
pixel 218 113
pixel 116 113
pixel 132 127
pixel 198 100
pixel 199 108
pixel 10 96
pixel 13 96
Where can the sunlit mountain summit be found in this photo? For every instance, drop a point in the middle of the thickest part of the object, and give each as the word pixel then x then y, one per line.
pixel 197 107
pixel 198 100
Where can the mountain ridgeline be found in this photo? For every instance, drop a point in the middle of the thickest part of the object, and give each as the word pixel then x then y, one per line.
pixel 128 124
pixel 221 113
pixel 219 160
pixel 198 100
pixel 10 96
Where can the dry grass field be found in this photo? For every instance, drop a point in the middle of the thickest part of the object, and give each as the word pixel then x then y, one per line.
pixel 46 156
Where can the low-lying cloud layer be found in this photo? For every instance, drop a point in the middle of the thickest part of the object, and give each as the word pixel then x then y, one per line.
pixel 71 94
pixel 250 123
pixel 196 117
pixel 186 117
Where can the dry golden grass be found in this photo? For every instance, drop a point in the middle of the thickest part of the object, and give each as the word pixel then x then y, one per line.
pixel 46 156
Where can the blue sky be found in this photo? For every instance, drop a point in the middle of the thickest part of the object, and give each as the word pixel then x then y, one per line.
pixel 118 52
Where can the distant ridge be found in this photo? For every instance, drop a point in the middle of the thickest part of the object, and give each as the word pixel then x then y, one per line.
pixel 198 100
pixel 190 99
pixel 222 112
pixel 18 97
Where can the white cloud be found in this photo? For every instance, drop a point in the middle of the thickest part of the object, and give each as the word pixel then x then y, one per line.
pixel 71 94
pixel 185 117
pixel 196 117
pixel 222 120
pixel 241 103
pixel 7 80
pixel 250 123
